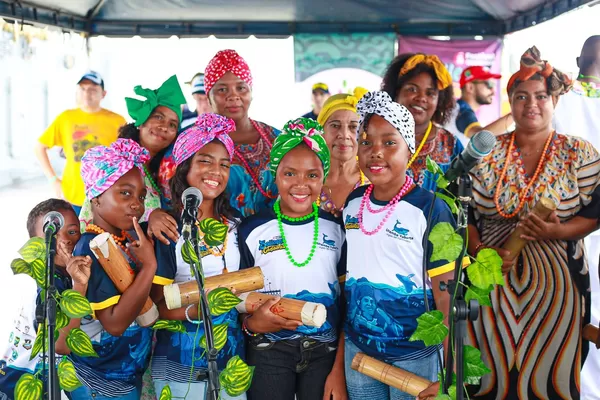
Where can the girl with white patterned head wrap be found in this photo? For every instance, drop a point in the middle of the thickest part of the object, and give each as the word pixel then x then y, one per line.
pixel 380 103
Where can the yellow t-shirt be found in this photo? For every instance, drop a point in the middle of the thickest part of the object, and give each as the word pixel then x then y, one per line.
pixel 76 131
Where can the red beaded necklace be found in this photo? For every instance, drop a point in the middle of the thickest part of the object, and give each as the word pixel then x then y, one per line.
pixel 240 156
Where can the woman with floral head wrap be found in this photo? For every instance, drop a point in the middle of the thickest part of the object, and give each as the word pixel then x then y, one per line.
pixel 113 178
pixel 531 335
pixel 340 123
pixel 386 286
pixel 156 122
pixel 228 83
pixel 422 84
pixel 203 154
pixel 301 252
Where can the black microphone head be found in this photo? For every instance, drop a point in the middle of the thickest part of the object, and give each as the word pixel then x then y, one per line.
pixel 481 144
pixel 55 218
pixel 192 193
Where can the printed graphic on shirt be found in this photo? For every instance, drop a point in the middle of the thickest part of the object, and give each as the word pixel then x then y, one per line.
pixel 175 353
pixel 261 245
pixel 385 289
pixel 350 223
pixel 83 139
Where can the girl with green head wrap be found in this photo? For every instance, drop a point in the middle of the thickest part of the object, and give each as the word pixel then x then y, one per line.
pixel 156 117
pixel 301 252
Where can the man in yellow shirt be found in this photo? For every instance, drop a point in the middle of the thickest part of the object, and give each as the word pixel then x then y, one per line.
pixel 76 131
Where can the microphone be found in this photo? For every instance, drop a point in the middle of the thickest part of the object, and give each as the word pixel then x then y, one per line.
pixel 53 222
pixel 191 199
pixel 480 145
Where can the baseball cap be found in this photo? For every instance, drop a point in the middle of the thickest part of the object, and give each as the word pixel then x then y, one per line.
pixel 93 77
pixel 477 73
pixel 197 84
pixel 320 86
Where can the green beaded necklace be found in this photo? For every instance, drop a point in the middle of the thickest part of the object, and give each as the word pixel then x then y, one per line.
pixel 280 217
pixel 154 185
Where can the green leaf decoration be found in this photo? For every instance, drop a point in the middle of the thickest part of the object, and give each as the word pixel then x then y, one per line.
pixel 74 305
pixel 214 231
pixel 236 377
pixel 165 393
pixel 445 396
pixel 486 270
pixel 79 343
pixel 430 329
pixel 452 392
pixel 221 300
pixel 67 377
pixel 447 244
pixel 38 269
pixel 28 387
pixel 433 167
pixel 188 254
pixel 170 325
pixel 39 341
pixel 481 295
pixel 61 319
pixel 34 248
pixel 474 366
pixel 20 266
pixel 450 201
pixel 220 334
pixel 442 182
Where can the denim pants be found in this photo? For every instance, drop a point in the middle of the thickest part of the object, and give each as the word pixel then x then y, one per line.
pixel 197 390
pixel 289 369
pixel 85 393
pixel 363 387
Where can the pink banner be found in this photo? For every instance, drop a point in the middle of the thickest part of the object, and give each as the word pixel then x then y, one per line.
pixel 459 54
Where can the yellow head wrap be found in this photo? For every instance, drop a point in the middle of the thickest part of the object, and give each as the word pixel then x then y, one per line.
pixel 340 101
pixel 443 76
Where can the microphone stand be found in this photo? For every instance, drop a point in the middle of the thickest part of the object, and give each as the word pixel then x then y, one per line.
pixel 460 310
pixel 213 385
pixel 50 314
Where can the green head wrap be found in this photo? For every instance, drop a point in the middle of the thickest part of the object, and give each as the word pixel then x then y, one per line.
pixel 169 94
pixel 296 132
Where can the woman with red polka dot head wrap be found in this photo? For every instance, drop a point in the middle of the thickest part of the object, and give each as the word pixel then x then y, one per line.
pixel 228 83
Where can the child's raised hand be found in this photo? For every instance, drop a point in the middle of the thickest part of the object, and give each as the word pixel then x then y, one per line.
pixel 80 268
pixel 264 320
pixel 142 249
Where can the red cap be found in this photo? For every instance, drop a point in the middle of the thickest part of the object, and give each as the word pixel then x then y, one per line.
pixel 477 73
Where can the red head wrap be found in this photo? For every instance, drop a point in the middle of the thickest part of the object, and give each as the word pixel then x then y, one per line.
pixel 226 61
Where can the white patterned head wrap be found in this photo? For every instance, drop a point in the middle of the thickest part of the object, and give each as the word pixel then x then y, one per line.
pixel 380 103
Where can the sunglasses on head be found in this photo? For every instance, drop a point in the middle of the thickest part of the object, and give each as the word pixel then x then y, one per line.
pixel 490 84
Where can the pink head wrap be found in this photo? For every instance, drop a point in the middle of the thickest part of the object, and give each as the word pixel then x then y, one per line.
pixel 226 61
pixel 207 128
pixel 102 166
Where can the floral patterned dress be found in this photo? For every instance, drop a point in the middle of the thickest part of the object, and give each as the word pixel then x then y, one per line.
pixel 530 337
pixel 442 149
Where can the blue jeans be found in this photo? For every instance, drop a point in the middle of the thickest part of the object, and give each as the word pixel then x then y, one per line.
pixel 85 393
pixel 197 390
pixel 363 387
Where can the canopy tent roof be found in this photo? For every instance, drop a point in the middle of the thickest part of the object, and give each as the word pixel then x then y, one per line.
pixel 231 18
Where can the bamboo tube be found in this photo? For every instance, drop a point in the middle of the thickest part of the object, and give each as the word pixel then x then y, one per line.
pixel 390 375
pixel 178 295
pixel 310 314
pixel 120 273
pixel 543 208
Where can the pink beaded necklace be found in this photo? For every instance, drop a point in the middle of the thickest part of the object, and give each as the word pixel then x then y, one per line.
pixel 390 206
pixel 247 167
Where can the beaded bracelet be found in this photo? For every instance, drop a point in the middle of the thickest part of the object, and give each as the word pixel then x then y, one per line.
pixel 245 327
pixel 480 246
pixel 191 321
